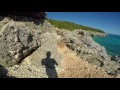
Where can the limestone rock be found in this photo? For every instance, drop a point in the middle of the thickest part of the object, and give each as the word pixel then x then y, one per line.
pixel 17 41
pixel 86 48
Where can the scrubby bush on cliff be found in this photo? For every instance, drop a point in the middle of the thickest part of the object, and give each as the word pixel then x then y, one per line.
pixel 71 26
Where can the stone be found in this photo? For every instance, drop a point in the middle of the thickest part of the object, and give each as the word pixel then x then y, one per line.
pixel 17 42
pixel 116 58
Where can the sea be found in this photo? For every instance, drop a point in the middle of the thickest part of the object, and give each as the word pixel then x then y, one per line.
pixel 111 43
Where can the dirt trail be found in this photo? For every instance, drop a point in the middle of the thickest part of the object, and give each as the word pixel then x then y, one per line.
pixel 74 67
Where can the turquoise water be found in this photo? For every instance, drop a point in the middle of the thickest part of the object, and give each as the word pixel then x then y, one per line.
pixel 111 43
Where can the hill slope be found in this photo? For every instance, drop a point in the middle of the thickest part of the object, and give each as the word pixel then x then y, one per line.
pixel 72 26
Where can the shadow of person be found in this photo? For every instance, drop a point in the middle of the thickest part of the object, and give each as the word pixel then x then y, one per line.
pixel 49 64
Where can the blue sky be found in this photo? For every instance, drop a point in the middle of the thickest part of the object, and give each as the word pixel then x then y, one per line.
pixel 106 21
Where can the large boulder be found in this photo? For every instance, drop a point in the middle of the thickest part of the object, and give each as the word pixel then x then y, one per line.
pixel 44 62
pixel 17 41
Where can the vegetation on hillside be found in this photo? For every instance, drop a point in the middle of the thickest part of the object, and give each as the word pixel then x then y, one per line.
pixel 71 26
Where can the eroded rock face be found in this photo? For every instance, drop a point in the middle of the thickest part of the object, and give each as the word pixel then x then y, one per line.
pixel 41 64
pixel 23 47
pixel 86 48
pixel 16 42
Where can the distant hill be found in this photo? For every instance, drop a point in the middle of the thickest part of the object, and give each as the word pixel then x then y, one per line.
pixel 72 26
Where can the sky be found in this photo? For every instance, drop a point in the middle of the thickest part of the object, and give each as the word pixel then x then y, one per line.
pixel 106 21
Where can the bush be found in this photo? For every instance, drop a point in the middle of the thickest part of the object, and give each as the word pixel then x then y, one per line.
pixel 71 26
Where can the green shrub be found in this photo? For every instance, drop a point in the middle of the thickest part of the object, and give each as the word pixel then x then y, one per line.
pixel 71 26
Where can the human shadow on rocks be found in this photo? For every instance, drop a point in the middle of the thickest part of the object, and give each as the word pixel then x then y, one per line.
pixel 49 64
pixel 3 73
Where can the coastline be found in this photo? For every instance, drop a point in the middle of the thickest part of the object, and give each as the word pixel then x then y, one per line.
pixel 110 42
pixel 33 43
pixel 82 43
pixel 115 57
pixel 108 53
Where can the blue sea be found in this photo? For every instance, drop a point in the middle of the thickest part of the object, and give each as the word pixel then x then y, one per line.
pixel 111 43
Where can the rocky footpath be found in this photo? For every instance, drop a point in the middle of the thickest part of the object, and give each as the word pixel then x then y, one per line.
pixel 86 48
pixel 28 50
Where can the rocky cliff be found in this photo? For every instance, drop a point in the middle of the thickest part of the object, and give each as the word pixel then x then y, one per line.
pixel 85 47
pixel 28 50
pixel 91 33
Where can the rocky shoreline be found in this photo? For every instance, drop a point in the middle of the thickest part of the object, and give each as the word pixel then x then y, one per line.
pixel 85 47
pixel 24 45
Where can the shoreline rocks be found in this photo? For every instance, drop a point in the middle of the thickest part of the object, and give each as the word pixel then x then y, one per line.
pixel 86 48
pixel 90 33
pixel 116 58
